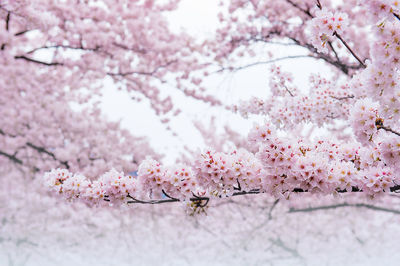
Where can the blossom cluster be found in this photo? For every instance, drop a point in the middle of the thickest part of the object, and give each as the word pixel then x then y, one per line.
pixel 325 24
pixel 289 107
pixel 363 94
pixel 156 180
pixel 363 119
pixel 280 166
pixel 382 9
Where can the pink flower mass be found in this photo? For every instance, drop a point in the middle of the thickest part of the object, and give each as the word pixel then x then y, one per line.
pixel 320 164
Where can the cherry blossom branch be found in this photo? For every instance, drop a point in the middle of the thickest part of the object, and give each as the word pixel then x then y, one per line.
pixel 262 63
pixel 349 48
pixel 343 98
pixel 65 47
pixel 339 64
pixel 151 73
pixel 335 33
pixel 241 193
pixel 37 61
pixel 21 32
pixel 8 20
pixel 307 12
pixel 388 129
pixel 193 199
pixel 358 205
pixel 43 150
pixel 326 57
pixel 11 157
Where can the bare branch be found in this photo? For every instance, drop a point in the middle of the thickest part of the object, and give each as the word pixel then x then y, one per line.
pixel 151 73
pixel 388 129
pixel 358 205
pixel 52 155
pixel 263 62
pixel 37 61
pixel 11 157
pixel 343 98
pixel 65 47
pixel 8 20
pixel 348 48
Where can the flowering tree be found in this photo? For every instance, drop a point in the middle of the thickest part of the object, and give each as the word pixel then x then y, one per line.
pixel 56 55
pixel 362 96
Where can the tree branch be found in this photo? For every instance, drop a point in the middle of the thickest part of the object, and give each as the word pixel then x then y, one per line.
pixel 307 12
pixel 358 205
pixel 11 157
pixel 348 48
pixel 37 61
pixel 388 129
pixel 263 62
pixel 151 73
pixel 343 98
pixel 8 20
pixel 43 150
pixel 240 193
pixel 65 47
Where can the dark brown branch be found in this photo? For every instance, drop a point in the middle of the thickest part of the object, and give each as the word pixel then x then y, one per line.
pixel 151 73
pixel 21 32
pixel 358 205
pixel 8 20
pixel 168 196
pixel 287 89
pixel 334 51
pixel 43 150
pixel 198 199
pixel 124 47
pixel 349 48
pixel 343 67
pixel 263 62
pixel 239 188
pixel 14 159
pixel 11 157
pixel 343 98
pixel 388 129
pixel 37 61
pixel 193 199
pixel 319 4
pixel 305 11
pixel 272 208
pixel 65 47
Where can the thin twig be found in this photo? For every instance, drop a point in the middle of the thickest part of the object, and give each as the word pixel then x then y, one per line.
pixel 263 63
pixel 52 155
pixel 11 157
pixel 389 130
pixel 358 205
pixel 8 21
pixel 343 98
pixel 348 48
pixel 37 61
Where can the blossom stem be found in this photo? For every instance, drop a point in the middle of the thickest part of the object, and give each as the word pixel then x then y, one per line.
pixel 358 205
pixel 348 48
pixel 389 130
